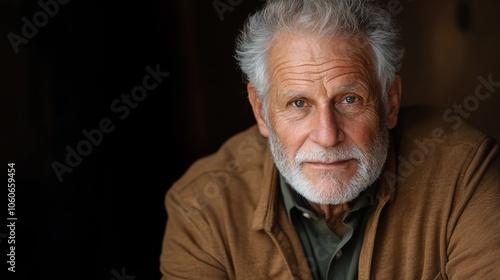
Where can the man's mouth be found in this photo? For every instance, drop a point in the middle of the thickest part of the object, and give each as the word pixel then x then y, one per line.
pixel 329 165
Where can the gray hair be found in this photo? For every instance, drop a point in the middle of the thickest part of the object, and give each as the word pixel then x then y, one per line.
pixel 332 18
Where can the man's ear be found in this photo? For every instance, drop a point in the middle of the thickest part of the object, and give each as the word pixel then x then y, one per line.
pixel 394 96
pixel 257 108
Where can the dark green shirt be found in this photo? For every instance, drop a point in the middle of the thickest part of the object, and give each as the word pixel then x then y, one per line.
pixel 328 255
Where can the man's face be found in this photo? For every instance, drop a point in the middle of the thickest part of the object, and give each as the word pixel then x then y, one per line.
pixel 326 120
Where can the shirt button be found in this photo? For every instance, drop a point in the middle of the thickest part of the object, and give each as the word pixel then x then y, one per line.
pixel 338 255
pixel 306 215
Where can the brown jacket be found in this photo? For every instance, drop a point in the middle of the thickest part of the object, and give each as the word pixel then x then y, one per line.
pixel 438 214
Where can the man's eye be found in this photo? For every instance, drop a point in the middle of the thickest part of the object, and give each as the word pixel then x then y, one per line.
pixel 350 100
pixel 299 103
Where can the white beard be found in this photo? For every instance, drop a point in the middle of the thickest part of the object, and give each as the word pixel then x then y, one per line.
pixel 331 188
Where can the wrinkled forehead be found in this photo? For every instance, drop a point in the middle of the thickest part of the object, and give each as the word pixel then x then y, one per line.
pixel 302 53
pixel 291 47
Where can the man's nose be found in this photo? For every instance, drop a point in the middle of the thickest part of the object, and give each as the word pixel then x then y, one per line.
pixel 327 127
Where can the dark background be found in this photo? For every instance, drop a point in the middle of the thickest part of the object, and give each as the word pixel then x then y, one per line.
pixel 108 213
pixel 106 218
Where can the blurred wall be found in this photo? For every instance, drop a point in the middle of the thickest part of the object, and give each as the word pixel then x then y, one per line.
pixel 63 65
pixel 449 45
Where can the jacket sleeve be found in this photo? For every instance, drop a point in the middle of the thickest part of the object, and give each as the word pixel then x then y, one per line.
pixel 189 249
pixel 474 228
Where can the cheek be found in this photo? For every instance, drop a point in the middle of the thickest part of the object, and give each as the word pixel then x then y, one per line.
pixel 291 134
pixel 363 129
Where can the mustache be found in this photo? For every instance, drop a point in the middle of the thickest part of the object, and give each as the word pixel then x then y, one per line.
pixel 328 155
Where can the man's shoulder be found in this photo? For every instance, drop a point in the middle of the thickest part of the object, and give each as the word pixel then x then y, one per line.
pixel 213 176
pixel 238 152
pixel 428 145
pixel 427 123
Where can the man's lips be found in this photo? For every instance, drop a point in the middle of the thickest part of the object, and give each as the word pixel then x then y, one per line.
pixel 328 165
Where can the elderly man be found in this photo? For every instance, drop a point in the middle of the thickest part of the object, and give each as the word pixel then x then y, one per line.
pixel 333 181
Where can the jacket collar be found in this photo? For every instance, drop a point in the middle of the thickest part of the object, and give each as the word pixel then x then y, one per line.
pixel 267 209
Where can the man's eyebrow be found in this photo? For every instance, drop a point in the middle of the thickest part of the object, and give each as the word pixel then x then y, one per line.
pixel 345 88
pixel 350 87
pixel 293 93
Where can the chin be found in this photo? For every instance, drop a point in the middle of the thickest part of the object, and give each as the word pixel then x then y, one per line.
pixel 328 191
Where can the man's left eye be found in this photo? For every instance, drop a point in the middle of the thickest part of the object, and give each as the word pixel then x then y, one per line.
pixel 299 103
pixel 350 100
